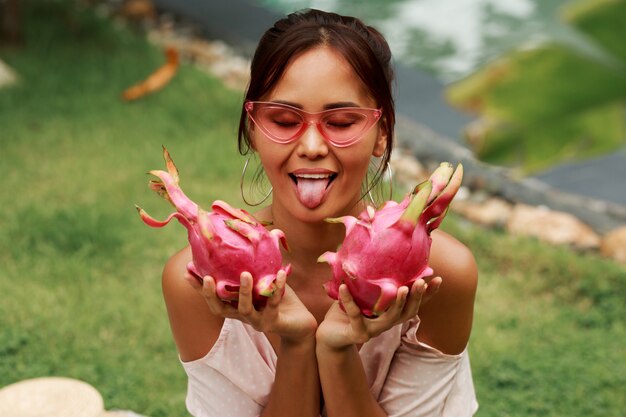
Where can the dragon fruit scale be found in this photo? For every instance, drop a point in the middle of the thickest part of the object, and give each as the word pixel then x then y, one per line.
pixel 389 248
pixel 224 242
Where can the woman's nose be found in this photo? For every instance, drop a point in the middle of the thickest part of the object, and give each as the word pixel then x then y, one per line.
pixel 312 144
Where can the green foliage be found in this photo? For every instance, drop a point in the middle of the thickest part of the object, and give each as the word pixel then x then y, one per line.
pixel 80 273
pixel 561 100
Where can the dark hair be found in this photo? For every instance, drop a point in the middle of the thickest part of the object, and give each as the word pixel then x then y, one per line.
pixel 365 49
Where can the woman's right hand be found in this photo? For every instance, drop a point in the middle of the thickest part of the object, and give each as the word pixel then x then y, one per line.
pixel 284 314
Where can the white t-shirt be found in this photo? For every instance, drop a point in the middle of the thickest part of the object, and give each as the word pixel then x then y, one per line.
pixel 407 377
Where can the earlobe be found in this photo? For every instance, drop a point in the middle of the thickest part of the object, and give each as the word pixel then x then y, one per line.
pixel 250 134
pixel 380 145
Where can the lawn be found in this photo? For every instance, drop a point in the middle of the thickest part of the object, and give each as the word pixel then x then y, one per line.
pixel 80 273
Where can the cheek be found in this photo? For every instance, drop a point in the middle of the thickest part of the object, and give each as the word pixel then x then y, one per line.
pixel 356 163
pixel 271 155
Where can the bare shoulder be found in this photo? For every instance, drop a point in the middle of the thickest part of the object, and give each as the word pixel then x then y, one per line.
pixel 447 317
pixel 453 260
pixel 194 328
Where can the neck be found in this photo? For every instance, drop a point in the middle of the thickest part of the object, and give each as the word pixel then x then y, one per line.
pixel 307 241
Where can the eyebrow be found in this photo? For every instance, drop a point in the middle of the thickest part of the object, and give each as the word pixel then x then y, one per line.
pixel 337 105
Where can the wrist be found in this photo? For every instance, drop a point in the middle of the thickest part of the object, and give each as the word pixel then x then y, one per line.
pixel 328 347
pixel 304 342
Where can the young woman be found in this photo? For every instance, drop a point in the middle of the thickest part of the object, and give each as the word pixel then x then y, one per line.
pixel 318 108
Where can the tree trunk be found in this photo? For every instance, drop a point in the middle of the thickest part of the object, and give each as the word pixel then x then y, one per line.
pixel 10 22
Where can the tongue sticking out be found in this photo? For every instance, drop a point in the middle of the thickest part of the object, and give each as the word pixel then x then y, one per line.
pixel 311 191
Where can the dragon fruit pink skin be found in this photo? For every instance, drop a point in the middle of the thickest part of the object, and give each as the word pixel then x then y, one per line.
pixel 389 248
pixel 224 242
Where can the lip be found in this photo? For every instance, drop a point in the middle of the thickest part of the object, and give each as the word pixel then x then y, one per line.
pixel 312 171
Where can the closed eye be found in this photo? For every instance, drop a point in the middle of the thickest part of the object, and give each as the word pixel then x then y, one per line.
pixel 282 123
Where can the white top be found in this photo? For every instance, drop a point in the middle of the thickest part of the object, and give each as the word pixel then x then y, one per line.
pixel 407 377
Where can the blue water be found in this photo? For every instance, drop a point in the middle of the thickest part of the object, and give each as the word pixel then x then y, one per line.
pixel 451 38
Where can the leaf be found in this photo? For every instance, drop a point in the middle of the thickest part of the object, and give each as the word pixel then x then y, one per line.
pixel 157 80
pixel 554 101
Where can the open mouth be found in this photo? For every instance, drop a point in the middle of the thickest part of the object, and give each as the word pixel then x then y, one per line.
pixel 311 187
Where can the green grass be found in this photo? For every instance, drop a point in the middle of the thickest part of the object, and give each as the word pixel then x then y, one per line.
pixel 79 273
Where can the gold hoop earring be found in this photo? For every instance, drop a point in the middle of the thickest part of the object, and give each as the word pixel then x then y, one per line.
pixel 243 174
pixel 369 186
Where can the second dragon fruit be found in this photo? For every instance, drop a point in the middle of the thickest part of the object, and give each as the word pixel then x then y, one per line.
pixel 389 248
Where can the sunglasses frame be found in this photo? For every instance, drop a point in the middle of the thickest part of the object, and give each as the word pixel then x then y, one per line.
pixel 372 115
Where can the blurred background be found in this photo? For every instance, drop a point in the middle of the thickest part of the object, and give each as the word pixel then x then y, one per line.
pixel 528 94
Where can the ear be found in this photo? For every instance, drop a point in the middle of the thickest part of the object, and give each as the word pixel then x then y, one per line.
pixel 250 132
pixel 381 142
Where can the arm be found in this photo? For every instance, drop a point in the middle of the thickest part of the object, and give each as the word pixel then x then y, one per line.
pixel 345 387
pixel 296 373
pixel 446 325
pixel 197 315
pixel 446 320
pixel 344 384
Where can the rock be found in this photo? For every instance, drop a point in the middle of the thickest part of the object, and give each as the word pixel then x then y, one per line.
pixel 407 170
pixel 120 413
pixel 551 226
pixel 492 212
pixel 51 396
pixel 614 245
pixel 7 75
pixel 137 10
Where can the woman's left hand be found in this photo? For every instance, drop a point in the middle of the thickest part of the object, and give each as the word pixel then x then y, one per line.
pixel 342 329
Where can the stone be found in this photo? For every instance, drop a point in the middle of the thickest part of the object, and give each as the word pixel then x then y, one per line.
pixel 121 413
pixel 407 170
pixel 50 396
pixel 137 10
pixel 492 212
pixel 551 226
pixel 613 245
pixel 7 75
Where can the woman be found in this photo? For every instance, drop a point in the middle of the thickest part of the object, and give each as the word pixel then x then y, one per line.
pixel 302 355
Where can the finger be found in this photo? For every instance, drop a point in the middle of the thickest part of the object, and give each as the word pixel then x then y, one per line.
pixel 401 298
pixel 434 285
pixel 431 289
pixel 216 305
pixel 277 296
pixel 245 294
pixel 414 298
pixel 395 314
pixel 195 282
pixel 352 310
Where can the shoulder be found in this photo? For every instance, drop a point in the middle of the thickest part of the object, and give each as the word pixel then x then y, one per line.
pixel 453 260
pixel 194 328
pixel 446 319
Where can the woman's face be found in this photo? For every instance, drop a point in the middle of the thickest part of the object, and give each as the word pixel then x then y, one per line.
pixel 311 178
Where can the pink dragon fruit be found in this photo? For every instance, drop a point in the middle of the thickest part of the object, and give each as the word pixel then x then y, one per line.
pixel 386 249
pixel 224 243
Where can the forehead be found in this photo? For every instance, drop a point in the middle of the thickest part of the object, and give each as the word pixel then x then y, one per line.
pixel 320 76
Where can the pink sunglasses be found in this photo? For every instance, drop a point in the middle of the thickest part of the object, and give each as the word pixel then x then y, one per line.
pixel 284 124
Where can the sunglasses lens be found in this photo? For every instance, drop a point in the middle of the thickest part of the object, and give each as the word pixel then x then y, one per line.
pixel 280 123
pixel 342 126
